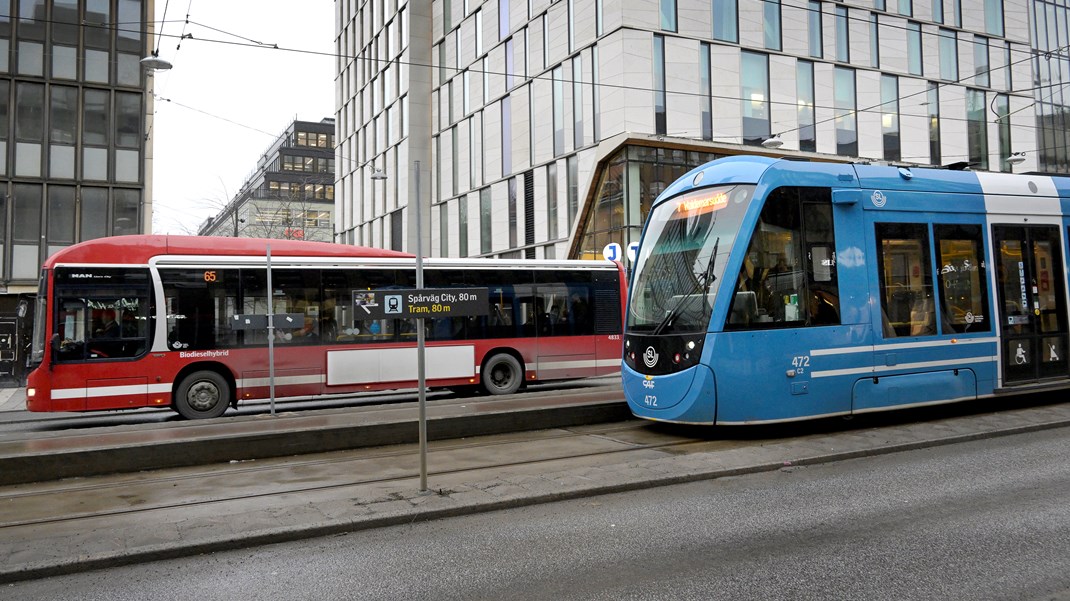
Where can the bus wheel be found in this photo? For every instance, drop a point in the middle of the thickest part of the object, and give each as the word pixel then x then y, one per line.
pixel 201 395
pixel 502 374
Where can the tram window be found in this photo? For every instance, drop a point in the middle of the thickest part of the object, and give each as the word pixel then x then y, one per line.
pixel 788 276
pixel 906 282
pixel 963 288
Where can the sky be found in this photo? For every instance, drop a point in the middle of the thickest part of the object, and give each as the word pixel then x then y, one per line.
pixel 223 104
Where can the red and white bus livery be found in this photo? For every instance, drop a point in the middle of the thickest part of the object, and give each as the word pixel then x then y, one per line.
pixel 149 321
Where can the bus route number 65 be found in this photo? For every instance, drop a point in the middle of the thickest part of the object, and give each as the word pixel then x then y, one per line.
pixel 210 276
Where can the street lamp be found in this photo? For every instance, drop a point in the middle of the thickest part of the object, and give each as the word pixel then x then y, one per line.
pixel 154 62
pixel 773 142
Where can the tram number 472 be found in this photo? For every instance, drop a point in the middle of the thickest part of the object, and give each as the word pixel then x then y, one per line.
pixel 651 400
pixel 800 363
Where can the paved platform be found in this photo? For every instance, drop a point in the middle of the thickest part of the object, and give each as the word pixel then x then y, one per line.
pixel 40 548
pixel 43 456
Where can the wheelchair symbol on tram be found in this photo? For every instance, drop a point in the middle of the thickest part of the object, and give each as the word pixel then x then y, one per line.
pixel 1020 356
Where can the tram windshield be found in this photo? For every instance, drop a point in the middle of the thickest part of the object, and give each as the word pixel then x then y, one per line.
pixel 681 263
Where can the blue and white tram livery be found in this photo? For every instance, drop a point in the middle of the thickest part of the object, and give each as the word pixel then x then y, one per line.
pixel 771 290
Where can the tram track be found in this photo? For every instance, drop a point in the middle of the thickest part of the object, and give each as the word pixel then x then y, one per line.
pixel 132 494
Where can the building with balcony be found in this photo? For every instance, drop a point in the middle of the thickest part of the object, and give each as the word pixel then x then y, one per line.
pixel 545 128
pixel 290 194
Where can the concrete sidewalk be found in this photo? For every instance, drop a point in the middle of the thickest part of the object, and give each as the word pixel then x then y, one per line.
pixel 12 399
pixel 185 527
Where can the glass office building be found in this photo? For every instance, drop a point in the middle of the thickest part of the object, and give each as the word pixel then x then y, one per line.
pixel 546 128
pixel 73 134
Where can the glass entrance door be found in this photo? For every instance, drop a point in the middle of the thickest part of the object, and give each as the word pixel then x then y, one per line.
pixel 1032 303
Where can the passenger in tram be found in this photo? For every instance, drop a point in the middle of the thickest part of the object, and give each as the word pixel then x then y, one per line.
pixel 823 308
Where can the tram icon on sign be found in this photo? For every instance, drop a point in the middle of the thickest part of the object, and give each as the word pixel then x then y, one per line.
pixel 393 304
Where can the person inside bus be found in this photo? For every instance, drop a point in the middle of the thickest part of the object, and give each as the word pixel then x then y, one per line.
pixel 109 328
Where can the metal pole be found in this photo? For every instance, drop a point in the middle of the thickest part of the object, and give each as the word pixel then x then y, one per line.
pixel 420 376
pixel 271 333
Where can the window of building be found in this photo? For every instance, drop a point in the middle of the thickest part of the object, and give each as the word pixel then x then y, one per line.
pixel 559 110
pixel 599 25
pixel 551 200
pixel 914 48
pixel 846 118
pixel 956 7
pixel 994 17
pixel 843 41
pixel 890 117
pixel 507 135
pixel 1001 107
pixel 60 222
pixel 596 120
pixel 906 284
pixel 804 83
pixel 570 10
pixel 874 42
pixel 932 102
pixel 771 24
pixel 94 213
pixel 706 89
pixel 510 69
pixel 503 19
pixel 64 131
pixel 976 129
pixel 577 102
pixel 660 121
pixel 512 211
pixel 29 128
pixel 905 8
pixel 126 214
pixel 755 97
pixel 726 20
pixel 462 226
pixel 444 230
pixel 788 277
pixel 479 33
pixel 815 43
pixel 668 15
pixel 572 168
pixel 981 67
pixel 949 55
pixel 485 231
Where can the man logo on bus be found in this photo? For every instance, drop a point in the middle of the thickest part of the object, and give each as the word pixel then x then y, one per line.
pixel 650 357
pixel 878 199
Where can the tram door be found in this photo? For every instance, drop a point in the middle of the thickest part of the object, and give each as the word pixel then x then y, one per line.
pixel 1032 302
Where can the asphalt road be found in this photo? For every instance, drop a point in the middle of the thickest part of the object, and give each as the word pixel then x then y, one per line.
pixel 980 520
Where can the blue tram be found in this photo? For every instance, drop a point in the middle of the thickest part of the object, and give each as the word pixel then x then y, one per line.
pixel 771 290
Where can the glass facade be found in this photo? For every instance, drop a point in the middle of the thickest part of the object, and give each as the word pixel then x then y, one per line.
pixel 627 185
pixel 72 132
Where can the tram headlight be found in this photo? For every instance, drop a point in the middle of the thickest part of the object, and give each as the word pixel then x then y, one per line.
pixel 676 358
pixel 690 345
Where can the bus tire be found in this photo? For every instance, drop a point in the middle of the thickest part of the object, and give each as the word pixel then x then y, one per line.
pixel 202 395
pixel 502 374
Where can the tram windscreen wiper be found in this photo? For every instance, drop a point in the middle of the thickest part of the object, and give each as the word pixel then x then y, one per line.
pixel 707 279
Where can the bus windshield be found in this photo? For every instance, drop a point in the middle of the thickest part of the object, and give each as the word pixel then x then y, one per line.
pixel 682 259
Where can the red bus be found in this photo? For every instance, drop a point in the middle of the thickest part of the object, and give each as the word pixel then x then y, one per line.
pixel 146 321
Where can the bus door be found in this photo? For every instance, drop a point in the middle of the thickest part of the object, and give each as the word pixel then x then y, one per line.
pixel 1033 324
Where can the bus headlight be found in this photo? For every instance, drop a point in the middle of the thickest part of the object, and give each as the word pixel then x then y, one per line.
pixel 31 392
